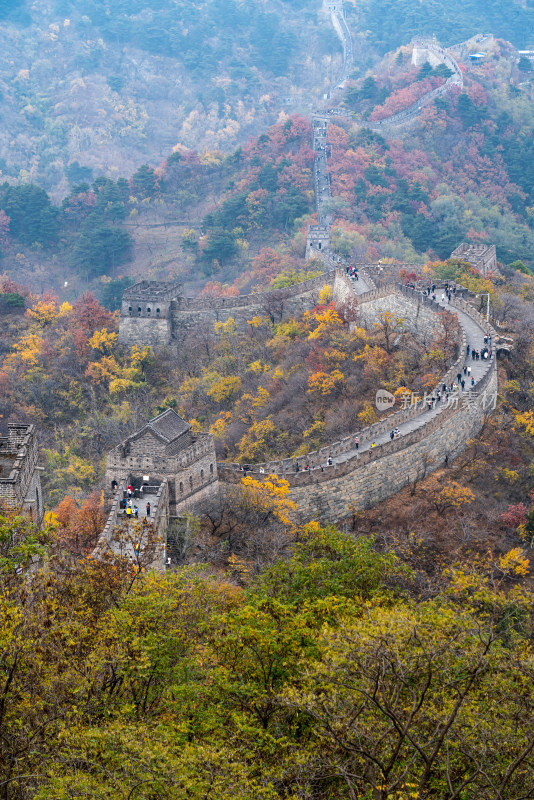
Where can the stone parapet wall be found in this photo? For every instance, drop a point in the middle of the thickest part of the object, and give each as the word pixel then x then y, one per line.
pixel 276 305
pixel 198 500
pixel 420 314
pixel 160 523
pixel 369 434
pixel 111 523
pixel 254 300
pixel 372 476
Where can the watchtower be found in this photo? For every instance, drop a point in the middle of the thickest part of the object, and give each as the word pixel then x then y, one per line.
pixel 318 240
pixel 20 481
pixel 482 256
pixel 166 449
pixel 146 312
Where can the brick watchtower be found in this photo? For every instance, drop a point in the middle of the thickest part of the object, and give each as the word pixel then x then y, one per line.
pixel 20 481
pixel 146 312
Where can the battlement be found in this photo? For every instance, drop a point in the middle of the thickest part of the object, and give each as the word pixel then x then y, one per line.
pixel 154 290
pixel 160 322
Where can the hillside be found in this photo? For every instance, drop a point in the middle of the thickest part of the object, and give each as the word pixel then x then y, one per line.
pixel 391 23
pixel 92 88
pixel 462 171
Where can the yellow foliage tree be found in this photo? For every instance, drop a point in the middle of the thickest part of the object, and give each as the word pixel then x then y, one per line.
pixel 327 321
pixel 325 383
pixel 103 341
pixel 334 356
pixel 228 328
pixel 261 399
pixel 453 495
pixel 258 322
pixel 515 563
pixel 388 324
pixel 64 310
pixel 43 312
pixel 220 425
pixel 524 421
pixel 256 441
pixel 258 367
pixel 26 354
pixel 224 388
pixel 368 416
pixel 325 295
pixel 104 370
pixel 271 496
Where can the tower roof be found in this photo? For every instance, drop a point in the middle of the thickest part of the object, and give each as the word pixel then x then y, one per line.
pixel 168 425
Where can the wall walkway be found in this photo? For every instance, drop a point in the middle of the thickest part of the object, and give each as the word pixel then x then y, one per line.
pixel 360 476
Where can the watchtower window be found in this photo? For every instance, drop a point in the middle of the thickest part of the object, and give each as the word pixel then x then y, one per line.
pixel 130 309
pixel 201 474
pixel 157 310
pixel 191 481
pixel 211 469
pixel 139 310
pixel 181 488
pixel 148 311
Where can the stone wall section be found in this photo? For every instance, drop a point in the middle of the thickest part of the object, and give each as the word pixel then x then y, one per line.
pixel 362 478
pixel 482 256
pixel 420 314
pixel 143 331
pixel 374 475
pixel 186 314
pixel 418 306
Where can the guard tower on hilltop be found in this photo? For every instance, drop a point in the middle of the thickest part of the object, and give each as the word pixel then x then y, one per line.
pixel 146 312
pixel 20 481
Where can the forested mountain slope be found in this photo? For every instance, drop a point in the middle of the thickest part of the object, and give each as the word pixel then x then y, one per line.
pixel 390 23
pixel 97 87
pixel 462 171
pixel 109 85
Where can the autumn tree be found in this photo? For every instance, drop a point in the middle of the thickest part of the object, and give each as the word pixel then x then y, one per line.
pixel 388 324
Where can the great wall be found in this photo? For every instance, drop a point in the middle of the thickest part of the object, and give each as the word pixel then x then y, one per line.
pixel 178 471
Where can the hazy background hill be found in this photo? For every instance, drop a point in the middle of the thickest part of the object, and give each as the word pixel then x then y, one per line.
pixel 93 87
pixel 97 96
pixel 108 86
pixel 389 23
